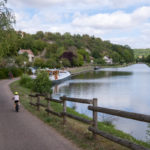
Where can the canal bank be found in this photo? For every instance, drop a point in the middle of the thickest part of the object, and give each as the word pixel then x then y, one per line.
pixel 124 88
pixel 74 130
pixel 78 70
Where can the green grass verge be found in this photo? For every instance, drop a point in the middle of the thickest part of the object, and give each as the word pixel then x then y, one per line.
pixel 75 130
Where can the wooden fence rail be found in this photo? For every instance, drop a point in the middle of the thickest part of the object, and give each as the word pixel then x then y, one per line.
pixel 77 118
pixel 78 100
pixel 54 100
pixel 95 109
pixel 118 140
pixel 125 114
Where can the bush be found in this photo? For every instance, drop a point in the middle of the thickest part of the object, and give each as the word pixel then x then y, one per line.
pixel 26 81
pixel 16 71
pixel 4 72
pixel 42 84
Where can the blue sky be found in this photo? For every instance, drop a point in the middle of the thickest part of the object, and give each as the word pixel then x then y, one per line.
pixel 125 22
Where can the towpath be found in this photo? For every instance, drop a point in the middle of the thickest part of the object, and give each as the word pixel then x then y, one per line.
pixel 23 131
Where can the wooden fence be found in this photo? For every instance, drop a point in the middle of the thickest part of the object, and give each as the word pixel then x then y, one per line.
pixel 93 123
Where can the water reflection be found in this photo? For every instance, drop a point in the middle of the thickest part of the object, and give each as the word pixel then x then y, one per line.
pixel 119 88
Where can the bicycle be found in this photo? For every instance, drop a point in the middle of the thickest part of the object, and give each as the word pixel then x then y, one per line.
pixel 17 106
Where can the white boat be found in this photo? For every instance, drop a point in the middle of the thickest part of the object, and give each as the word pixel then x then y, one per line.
pixel 56 75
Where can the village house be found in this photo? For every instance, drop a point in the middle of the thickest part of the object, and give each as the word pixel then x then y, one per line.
pixel 29 52
pixel 108 60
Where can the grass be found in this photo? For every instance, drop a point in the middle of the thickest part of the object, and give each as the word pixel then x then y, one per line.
pixel 141 52
pixel 74 130
pixel 80 69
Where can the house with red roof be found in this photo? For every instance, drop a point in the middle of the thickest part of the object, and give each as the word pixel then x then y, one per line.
pixel 29 52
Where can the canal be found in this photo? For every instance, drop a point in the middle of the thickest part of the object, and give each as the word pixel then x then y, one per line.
pixel 125 88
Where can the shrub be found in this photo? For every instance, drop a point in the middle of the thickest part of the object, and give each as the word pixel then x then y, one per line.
pixel 2 74
pixel 42 84
pixel 16 71
pixel 26 81
pixel 66 62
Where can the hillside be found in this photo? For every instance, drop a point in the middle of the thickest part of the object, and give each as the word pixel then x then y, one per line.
pixel 141 52
pixel 67 50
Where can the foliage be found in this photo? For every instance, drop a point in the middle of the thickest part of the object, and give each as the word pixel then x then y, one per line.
pixel 6 16
pixel 148 134
pixel 65 62
pixel 42 84
pixel 20 59
pixel 148 59
pixel 26 81
pixel 78 61
pixel 85 54
pixel 141 52
pixel 72 47
pixel 16 71
pixel 51 63
pixel 39 62
pixel 4 72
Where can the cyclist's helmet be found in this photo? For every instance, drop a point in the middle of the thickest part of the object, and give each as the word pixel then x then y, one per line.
pixel 16 93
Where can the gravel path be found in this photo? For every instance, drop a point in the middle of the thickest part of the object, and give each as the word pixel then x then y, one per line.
pixel 23 131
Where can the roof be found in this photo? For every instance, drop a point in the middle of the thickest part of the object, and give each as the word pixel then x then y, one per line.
pixel 26 51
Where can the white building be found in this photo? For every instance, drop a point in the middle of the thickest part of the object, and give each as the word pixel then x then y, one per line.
pixel 29 52
pixel 108 60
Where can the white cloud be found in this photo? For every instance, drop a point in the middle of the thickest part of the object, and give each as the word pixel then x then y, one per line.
pixel 75 4
pixel 73 16
pixel 105 21
pixel 116 20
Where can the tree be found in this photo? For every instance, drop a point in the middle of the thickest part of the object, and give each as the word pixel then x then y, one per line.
pixel 66 62
pixel 7 19
pixel 96 54
pixel 148 59
pixel 20 59
pixel 85 54
pixel 39 62
pixel 51 63
pixel 42 84
pixel 39 35
pixel 78 60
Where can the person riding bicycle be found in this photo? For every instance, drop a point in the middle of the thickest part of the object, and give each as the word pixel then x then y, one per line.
pixel 16 98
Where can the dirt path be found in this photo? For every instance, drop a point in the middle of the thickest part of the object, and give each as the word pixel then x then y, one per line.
pixel 23 131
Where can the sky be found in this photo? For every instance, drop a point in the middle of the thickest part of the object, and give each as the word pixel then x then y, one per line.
pixel 125 22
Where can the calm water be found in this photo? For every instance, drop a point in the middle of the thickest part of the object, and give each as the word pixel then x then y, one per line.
pixel 125 88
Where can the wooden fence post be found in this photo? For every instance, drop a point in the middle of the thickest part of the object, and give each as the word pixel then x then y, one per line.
pixel 48 105
pixel 38 102
pixel 94 115
pixel 64 110
pixel 31 98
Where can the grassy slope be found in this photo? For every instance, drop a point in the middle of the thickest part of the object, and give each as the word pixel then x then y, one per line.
pixel 74 130
pixel 141 52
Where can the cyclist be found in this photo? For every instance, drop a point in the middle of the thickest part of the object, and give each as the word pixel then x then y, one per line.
pixel 16 98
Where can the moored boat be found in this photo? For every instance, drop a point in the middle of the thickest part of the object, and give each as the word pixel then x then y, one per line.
pixel 96 68
pixel 56 75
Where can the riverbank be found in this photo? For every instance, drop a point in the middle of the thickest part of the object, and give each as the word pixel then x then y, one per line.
pixel 74 130
pixel 78 70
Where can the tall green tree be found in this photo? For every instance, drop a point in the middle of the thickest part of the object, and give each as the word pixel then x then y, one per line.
pixel 7 19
